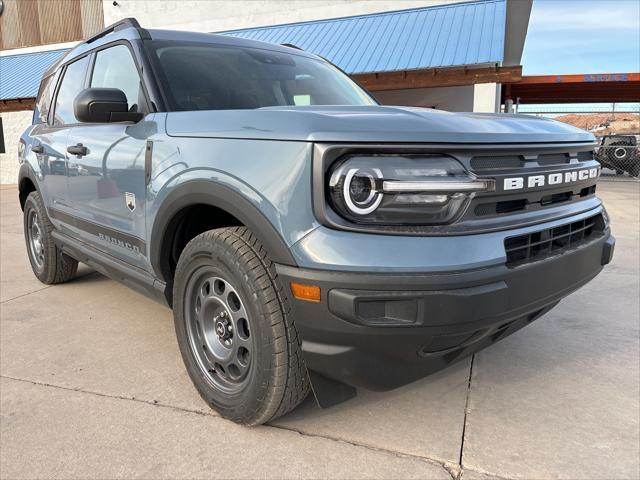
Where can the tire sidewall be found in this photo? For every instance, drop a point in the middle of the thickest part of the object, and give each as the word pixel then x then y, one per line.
pixel 32 204
pixel 214 254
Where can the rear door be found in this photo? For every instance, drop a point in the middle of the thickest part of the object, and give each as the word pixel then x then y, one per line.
pixel 107 185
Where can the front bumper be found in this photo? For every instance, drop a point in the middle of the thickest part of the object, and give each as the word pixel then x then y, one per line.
pixel 380 331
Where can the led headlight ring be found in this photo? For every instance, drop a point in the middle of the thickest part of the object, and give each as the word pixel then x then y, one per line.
pixel 368 205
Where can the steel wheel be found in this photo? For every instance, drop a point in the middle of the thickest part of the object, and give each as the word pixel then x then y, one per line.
pixel 239 346
pixel 36 242
pixel 218 329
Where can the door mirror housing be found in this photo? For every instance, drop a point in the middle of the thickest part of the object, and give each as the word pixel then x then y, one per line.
pixel 103 105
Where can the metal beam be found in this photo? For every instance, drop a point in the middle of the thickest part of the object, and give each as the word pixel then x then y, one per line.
pixel 437 77
pixel 580 88
pixel 17 104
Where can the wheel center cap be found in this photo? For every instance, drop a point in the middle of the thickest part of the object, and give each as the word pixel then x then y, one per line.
pixel 223 327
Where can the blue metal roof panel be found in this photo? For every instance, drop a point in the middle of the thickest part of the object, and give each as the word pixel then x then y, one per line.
pixel 20 75
pixel 441 36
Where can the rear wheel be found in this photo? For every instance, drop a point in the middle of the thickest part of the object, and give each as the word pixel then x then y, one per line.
pixel 48 262
pixel 238 342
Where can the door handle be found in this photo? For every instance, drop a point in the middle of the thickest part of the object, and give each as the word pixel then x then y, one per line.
pixel 79 150
pixel 37 149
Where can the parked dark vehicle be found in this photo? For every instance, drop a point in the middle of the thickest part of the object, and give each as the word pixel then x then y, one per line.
pixel 304 236
pixel 620 153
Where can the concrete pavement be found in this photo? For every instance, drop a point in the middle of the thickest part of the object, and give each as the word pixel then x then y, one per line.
pixel 93 386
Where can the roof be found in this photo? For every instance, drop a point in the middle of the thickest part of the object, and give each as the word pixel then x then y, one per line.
pixel 420 38
pixel 470 33
pixel 20 75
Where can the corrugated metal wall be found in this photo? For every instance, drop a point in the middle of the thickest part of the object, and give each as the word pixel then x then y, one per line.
pixel 25 23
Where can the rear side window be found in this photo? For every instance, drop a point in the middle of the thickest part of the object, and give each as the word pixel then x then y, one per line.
pixel 72 84
pixel 45 95
pixel 115 68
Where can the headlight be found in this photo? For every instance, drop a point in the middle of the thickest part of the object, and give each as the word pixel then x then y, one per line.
pixel 402 189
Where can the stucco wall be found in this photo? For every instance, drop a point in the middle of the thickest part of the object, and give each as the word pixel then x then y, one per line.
pixel 220 15
pixel 13 124
pixel 453 99
pixel 486 97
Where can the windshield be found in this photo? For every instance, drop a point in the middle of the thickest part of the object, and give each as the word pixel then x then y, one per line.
pixel 203 76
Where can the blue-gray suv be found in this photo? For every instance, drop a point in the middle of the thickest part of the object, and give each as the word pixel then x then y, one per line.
pixel 305 237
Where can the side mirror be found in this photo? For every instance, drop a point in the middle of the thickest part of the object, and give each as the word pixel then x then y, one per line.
pixel 103 105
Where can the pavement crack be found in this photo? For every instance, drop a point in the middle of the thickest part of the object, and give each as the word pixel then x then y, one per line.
pixel 464 422
pixel 154 403
pixel 432 461
pixel 445 465
pixel 493 476
pixel 25 294
pixel 44 288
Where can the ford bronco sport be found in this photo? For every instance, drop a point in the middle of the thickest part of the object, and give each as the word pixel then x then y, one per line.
pixel 304 236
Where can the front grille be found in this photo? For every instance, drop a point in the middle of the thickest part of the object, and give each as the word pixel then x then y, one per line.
pixel 497 208
pixel 510 162
pixel 497 162
pixel 525 248
pixel 585 156
pixel 545 159
pixel 502 204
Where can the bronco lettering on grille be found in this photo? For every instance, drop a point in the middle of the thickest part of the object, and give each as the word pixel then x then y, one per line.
pixel 532 181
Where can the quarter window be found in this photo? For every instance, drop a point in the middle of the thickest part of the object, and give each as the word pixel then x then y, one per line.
pixel 72 84
pixel 45 96
pixel 115 68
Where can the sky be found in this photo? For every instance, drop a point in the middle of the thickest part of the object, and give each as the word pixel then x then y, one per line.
pixel 582 36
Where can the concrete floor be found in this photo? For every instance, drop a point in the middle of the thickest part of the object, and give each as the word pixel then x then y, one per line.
pixel 92 385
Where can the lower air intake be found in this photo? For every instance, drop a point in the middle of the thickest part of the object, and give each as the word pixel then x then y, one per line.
pixel 533 246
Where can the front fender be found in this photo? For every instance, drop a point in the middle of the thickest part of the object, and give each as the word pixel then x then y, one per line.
pixel 199 191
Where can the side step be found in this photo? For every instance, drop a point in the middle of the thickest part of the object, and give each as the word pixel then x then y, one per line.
pixel 111 267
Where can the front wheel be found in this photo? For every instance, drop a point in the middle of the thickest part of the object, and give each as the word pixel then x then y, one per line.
pixel 237 340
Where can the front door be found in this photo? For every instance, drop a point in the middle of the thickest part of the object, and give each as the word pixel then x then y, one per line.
pixel 106 180
pixel 51 130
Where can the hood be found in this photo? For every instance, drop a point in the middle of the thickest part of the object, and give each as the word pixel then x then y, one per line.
pixel 371 124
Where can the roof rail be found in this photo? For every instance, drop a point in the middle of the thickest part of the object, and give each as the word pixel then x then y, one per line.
pixel 121 25
pixel 291 45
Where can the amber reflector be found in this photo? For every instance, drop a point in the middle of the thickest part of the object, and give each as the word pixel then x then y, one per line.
pixel 310 293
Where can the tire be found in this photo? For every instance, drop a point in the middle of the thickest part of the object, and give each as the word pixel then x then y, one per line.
pixel 237 339
pixel 48 263
pixel 619 155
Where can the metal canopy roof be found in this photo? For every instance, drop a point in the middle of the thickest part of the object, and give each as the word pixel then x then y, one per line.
pixel 20 75
pixel 441 36
pixel 456 34
pixel 581 88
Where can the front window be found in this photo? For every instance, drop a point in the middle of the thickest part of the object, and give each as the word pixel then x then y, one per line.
pixel 72 84
pixel 115 68
pixel 204 76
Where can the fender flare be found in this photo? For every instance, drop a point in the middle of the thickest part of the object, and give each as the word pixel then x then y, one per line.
pixel 195 192
pixel 26 172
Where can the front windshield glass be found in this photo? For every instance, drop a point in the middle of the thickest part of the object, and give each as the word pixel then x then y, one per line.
pixel 203 76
